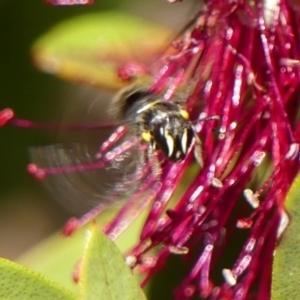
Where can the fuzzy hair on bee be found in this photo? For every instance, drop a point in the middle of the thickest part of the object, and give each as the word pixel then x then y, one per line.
pixel 163 125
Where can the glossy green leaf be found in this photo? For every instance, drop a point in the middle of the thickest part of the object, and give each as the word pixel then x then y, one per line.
pixel 92 47
pixel 286 265
pixel 103 272
pixel 57 256
pixel 20 283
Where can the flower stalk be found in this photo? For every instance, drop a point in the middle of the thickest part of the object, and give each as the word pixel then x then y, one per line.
pixel 70 2
pixel 243 62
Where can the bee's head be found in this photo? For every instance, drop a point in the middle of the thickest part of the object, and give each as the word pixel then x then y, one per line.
pixel 173 137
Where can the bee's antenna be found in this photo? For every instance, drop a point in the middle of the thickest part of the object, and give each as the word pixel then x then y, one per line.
pixel 216 117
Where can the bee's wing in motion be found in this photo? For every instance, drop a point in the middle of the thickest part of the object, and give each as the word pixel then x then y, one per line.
pixel 78 180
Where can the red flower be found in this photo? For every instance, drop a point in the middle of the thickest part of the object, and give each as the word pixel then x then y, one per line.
pixel 241 62
pixel 70 2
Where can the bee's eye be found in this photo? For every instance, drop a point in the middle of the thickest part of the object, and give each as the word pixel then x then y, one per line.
pixel 170 143
pixel 174 143
pixel 185 141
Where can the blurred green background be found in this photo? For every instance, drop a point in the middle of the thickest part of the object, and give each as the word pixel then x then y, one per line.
pixel 27 213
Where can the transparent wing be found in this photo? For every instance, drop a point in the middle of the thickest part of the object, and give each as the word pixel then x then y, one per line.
pixel 79 180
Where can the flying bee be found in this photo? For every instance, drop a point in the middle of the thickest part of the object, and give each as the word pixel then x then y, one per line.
pixel 163 125
pixel 156 131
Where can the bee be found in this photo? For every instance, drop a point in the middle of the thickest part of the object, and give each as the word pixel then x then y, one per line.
pixel 163 126
pixel 156 131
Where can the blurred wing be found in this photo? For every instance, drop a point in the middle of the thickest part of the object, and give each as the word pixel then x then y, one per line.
pixel 80 181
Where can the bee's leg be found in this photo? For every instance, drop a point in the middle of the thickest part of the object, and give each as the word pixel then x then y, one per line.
pixel 216 117
pixel 217 183
pixel 139 164
pixel 149 156
pixel 198 150
pixel 155 164
pixel 144 137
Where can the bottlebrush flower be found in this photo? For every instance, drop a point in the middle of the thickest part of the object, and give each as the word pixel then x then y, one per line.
pixel 240 60
pixel 69 2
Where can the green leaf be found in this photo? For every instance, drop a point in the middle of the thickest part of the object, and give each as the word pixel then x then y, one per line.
pixel 286 265
pixel 20 283
pixel 57 256
pixel 103 273
pixel 92 47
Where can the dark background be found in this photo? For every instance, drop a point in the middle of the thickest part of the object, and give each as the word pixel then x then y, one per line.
pixel 27 213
